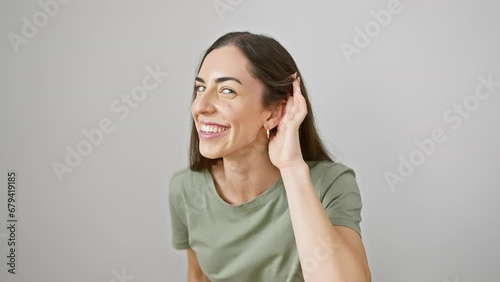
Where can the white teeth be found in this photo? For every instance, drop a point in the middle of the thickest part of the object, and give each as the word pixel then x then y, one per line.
pixel 212 128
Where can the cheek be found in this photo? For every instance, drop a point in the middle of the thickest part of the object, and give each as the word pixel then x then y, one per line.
pixel 248 122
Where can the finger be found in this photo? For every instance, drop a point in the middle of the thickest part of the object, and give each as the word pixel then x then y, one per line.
pixel 299 98
pixel 296 85
pixel 291 107
pixel 301 104
pixel 294 101
pixel 300 101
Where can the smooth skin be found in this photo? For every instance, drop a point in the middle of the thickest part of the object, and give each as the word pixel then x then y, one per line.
pixel 251 163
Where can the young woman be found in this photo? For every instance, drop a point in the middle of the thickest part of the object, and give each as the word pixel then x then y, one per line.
pixel 262 199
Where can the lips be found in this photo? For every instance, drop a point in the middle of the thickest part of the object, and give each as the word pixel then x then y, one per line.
pixel 210 130
pixel 206 128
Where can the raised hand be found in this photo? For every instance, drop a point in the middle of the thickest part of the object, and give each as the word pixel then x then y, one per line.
pixel 284 146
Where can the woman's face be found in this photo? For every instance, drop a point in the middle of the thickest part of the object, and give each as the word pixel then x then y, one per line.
pixel 228 110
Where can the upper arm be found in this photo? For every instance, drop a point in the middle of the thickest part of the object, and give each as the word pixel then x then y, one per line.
pixel 342 202
pixel 353 240
pixel 195 274
pixel 178 215
pixel 341 198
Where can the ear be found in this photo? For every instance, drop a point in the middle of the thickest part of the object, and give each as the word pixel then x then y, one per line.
pixel 276 115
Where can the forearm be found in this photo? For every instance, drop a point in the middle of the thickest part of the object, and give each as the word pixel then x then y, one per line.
pixel 323 253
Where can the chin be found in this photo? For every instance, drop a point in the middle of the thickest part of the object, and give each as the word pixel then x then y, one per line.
pixel 210 154
pixel 212 157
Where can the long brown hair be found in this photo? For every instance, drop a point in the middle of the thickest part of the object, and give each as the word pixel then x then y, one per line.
pixel 270 63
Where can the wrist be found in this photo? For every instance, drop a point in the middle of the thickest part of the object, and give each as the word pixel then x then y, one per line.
pixel 296 176
pixel 294 168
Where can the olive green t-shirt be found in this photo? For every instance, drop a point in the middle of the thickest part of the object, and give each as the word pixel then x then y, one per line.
pixel 253 241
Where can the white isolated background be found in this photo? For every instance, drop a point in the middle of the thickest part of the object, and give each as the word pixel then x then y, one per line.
pixel 108 219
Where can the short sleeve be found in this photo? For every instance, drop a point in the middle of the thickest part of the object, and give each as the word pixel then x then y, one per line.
pixel 180 234
pixel 342 198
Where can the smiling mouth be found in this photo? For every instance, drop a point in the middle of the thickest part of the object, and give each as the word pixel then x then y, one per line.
pixel 212 129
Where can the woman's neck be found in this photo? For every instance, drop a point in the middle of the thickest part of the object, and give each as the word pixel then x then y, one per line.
pixel 239 181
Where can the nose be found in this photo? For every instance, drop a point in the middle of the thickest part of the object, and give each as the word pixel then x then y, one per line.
pixel 203 103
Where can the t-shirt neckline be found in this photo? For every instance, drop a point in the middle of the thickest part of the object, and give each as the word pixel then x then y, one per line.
pixel 263 198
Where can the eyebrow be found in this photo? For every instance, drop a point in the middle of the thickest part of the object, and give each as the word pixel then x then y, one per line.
pixel 220 79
